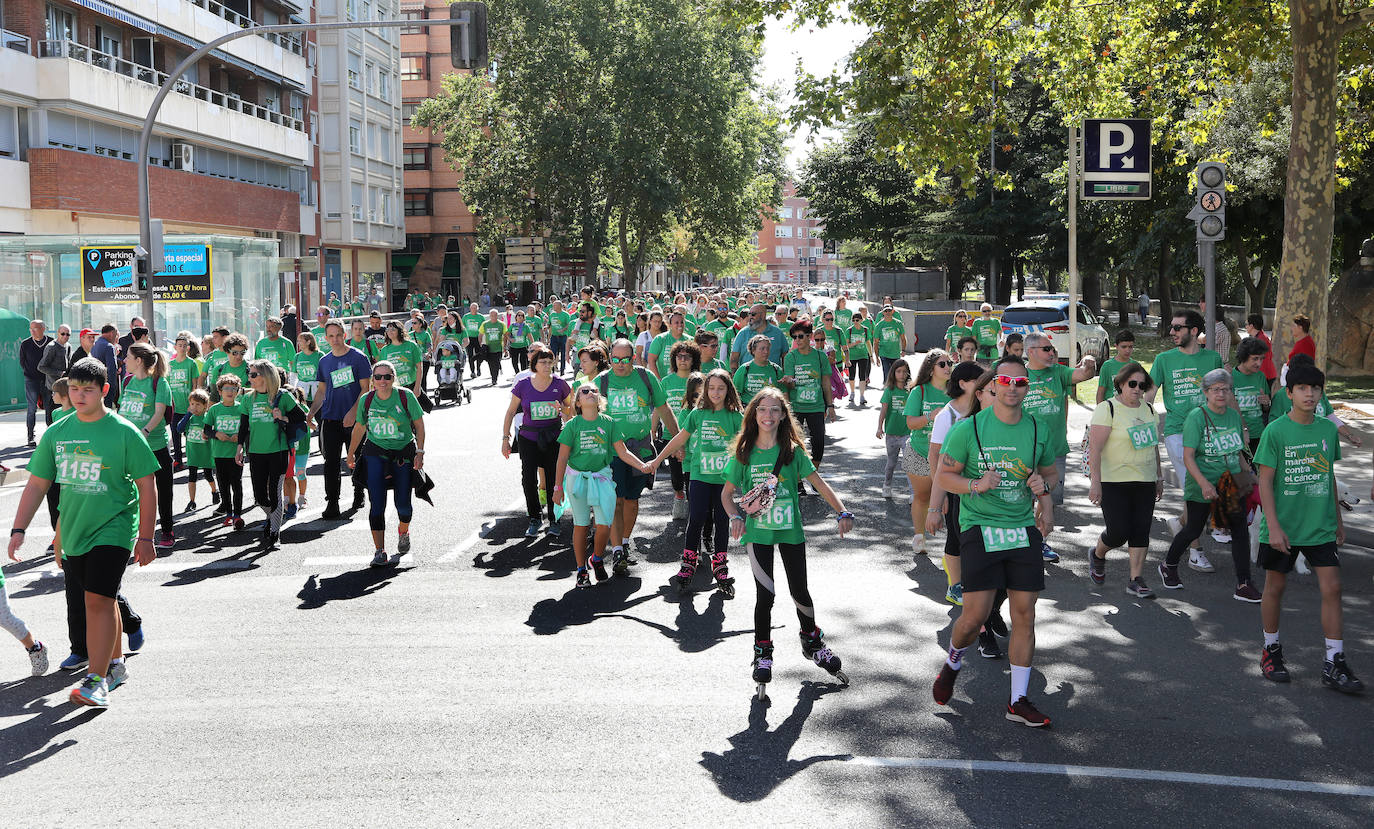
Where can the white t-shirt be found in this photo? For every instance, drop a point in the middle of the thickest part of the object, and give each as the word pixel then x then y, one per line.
pixel 643 340
pixel 944 421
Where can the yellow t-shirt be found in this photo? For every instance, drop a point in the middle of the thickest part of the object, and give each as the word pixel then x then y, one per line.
pixel 1130 451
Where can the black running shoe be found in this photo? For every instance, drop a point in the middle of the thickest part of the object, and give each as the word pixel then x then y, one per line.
pixel 944 684
pixel 1271 663
pixel 1336 674
pixel 997 624
pixel 987 645
pixel 1097 568
pixel 583 579
pixel 599 567
pixel 1169 576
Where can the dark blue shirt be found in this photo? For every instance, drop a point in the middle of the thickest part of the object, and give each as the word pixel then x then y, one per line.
pixel 346 371
pixel 104 351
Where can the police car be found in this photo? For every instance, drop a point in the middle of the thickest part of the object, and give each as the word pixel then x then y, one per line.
pixel 1050 315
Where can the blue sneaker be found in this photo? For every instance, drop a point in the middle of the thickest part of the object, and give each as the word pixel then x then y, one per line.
pixel 1050 556
pixel 290 512
pixel 91 691
pixel 955 594
pixel 116 676
pixel 136 640
pixel 73 662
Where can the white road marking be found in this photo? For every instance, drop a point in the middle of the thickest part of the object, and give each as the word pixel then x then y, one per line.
pixel 1153 775
pixel 466 544
pixel 319 560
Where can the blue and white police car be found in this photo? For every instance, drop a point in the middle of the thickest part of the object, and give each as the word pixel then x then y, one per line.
pixel 1050 315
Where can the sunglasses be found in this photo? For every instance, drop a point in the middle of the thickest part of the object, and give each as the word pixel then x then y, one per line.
pixel 800 336
pixel 1044 348
pixel 383 376
pixel 238 353
pixel 943 364
pixel 254 374
pixel 1137 384
pixel 64 333
pixel 1177 327
pixel 586 392
pixel 1015 382
pixel 620 361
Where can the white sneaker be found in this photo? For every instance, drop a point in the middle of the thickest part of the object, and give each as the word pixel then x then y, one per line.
pixel 1175 526
pixel 887 490
pixel 1221 536
pixel 38 660
pixel 918 544
pixel 679 509
pixel 1199 562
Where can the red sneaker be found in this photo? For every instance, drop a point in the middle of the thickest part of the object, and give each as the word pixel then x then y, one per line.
pixel 1024 712
pixel 944 684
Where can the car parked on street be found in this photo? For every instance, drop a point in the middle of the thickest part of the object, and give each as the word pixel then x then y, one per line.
pixel 1051 316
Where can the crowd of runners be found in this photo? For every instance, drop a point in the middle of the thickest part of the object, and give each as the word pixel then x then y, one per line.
pixel 733 391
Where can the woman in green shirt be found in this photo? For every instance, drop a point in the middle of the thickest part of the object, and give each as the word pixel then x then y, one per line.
pixel 806 375
pixel 391 420
pixel 405 355
pixel 1214 439
pixel 758 372
pixel 146 402
pixel 621 328
pixel 266 410
pixel 892 420
pixel 183 375
pixel 768 459
pixel 419 334
pixel 927 397
pixel 307 368
pixel 521 335
pixel 957 331
pixel 357 338
pixel 686 361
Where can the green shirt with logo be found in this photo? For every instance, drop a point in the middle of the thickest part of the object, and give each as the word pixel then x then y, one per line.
pixel 1248 388
pixel 1016 450
pixel 895 422
pixel 660 351
pixel 631 400
pixel 1048 399
pixel 1217 441
pixel 389 423
pixel 472 324
pixel 591 443
pixel 889 333
pixel 276 350
pixel 808 372
pixel 782 522
pixel 265 435
pixel 138 402
pixel 923 401
pixel 708 448
pixel 224 418
pixel 181 376
pixel 1179 379
pixel 1304 461
pixel 406 357
pixel 986 332
pixel 751 377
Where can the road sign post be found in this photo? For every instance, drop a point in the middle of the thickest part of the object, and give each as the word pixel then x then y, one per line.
pixel 1210 215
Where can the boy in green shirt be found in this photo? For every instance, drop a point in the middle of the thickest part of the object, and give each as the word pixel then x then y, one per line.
pixel 1125 347
pixel 987 331
pixel 108 498
pixel 1296 458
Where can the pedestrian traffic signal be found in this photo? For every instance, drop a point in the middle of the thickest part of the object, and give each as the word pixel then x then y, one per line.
pixel 1210 212
pixel 468 40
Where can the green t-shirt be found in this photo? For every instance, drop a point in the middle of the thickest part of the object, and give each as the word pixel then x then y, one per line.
pixel 559 321
pixel 889 333
pixel 224 418
pixel 1283 404
pixel 493 334
pixel 1048 399
pixel 520 333
pixel 629 403
pixel 782 522
pixel 1248 388
pixel 955 333
pixel 923 401
pixel 279 352
pixel 708 448
pixel 1016 451
pixel 472 324
pixel 96 464
pixel 809 372
pixel 264 433
pixel 406 357
pixel 1217 447
pixel 138 402
pixel 197 445
pixel 986 332
pixel 724 331
pixel 1108 374
pixel 895 422
pixel 751 377
pixel 1179 379
pixel 389 423
pixel 213 360
pixel 240 371
pixel 675 389
pixel 423 339
pixel 1304 461
pixel 60 414
pixel 843 317
pixel 858 337
pixel 366 347
pixel 181 376
pixel 591 443
pixel 660 351
pixel 320 340
pixel 581 334
pixel 308 370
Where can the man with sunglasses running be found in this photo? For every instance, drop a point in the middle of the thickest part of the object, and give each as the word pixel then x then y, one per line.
pixel 1048 399
pixel 1178 373
pixel 1000 463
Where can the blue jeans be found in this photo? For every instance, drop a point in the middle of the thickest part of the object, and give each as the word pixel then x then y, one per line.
pixel 559 346
pixel 37 396
pixel 379 469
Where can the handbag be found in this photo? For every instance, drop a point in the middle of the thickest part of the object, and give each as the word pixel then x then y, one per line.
pixel 762 495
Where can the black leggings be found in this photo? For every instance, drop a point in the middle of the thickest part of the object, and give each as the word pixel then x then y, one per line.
pixel 677 472
pixel 163 478
pixel 706 518
pixel 230 476
pixel 1128 509
pixel 531 461
pixel 494 364
pixel 1197 522
pixel 815 425
pixel 267 469
pixel 519 359
pixel 474 350
pixel 177 454
pixel 794 565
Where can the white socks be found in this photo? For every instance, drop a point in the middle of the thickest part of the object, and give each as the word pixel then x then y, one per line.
pixel 1333 647
pixel 1020 680
pixel 1271 638
pixel 955 660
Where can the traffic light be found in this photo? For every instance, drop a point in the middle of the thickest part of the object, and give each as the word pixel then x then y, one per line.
pixel 1210 212
pixel 468 40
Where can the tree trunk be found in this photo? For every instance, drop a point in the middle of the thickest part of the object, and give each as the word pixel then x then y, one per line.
pixel 470 276
pixel 1090 292
pixel 1052 281
pixel 1123 315
pixel 1004 274
pixel 1020 279
pixel 1309 207
pixel 954 273
pixel 1166 305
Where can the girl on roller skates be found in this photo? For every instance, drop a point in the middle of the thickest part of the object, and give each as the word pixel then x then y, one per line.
pixel 708 427
pixel 766 466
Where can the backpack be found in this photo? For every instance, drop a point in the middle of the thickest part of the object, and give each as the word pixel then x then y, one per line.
pixel 604 382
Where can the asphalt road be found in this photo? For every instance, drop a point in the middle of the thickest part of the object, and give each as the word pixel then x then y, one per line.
pixel 473 685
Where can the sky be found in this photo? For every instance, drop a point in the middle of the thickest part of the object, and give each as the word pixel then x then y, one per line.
pixel 820 51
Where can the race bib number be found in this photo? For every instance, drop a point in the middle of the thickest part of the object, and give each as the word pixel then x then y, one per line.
pixel 228 424
pixel 543 410
pixel 383 427
pixel 132 409
pixel 178 377
pixel 808 394
pixel 889 335
pixel 78 470
pixel 195 435
pixel 306 372
pixel 1142 435
pixel 623 401
pixel 777 517
pixel 998 539
pixel 1247 400
pixel 713 463
pixel 1225 443
pixel 341 377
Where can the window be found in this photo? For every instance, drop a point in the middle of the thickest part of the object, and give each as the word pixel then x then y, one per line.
pixel 782 231
pixel 787 252
pixel 61 25
pixel 109 41
pixel 356 194
pixel 412 14
pixel 416 158
pixel 408 109
pixel 373 145
pixel 784 213
pixel 9 133
pixel 367 9
pixel 386 208
pixel 355 136
pixel 351 9
pixel 417 204
pixel 384 84
pixel 801 212
pixel 413 67
pixel 297 109
pixel 355 71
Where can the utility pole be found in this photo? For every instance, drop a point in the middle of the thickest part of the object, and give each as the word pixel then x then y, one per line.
pixel 469 51
pixel 992 189
pixel 1073 242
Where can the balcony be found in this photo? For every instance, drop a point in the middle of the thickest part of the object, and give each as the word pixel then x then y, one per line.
pixel 87 75
pixel 205 20
pixel 14 40
pixel 289 42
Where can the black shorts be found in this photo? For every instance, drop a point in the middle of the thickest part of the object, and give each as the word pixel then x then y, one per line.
pixel 951 525
pixel 629 483
pixel 1318 555
pixel 1019 569
pixel 99 571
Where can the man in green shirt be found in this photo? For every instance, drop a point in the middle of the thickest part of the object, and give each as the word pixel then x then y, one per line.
pixel 472 329
pixel 633 397
pixel 1048 399
pixel 108 499
pixel 890 335
pixel 1125 347
pixel 274 348
pixel 987 331
pixel 661 347
pixel 1297 483
pixel 321 317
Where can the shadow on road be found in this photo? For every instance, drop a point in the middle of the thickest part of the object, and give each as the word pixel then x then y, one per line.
pixel 354 584
pixel 758 762
pixel 32 741
pixel 581 607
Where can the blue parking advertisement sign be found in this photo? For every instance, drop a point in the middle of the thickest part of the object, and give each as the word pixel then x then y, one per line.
pixel 107 275
pixel 1116 159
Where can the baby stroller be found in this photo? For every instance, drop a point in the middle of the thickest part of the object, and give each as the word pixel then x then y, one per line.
pixel 450 372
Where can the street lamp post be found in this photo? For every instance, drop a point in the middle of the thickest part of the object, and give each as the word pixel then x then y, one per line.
pixel 459 18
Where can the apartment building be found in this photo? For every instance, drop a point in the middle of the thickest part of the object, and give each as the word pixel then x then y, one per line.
pixel 790 245
pixel 439 252
pixel 230 151
pixel 359 150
